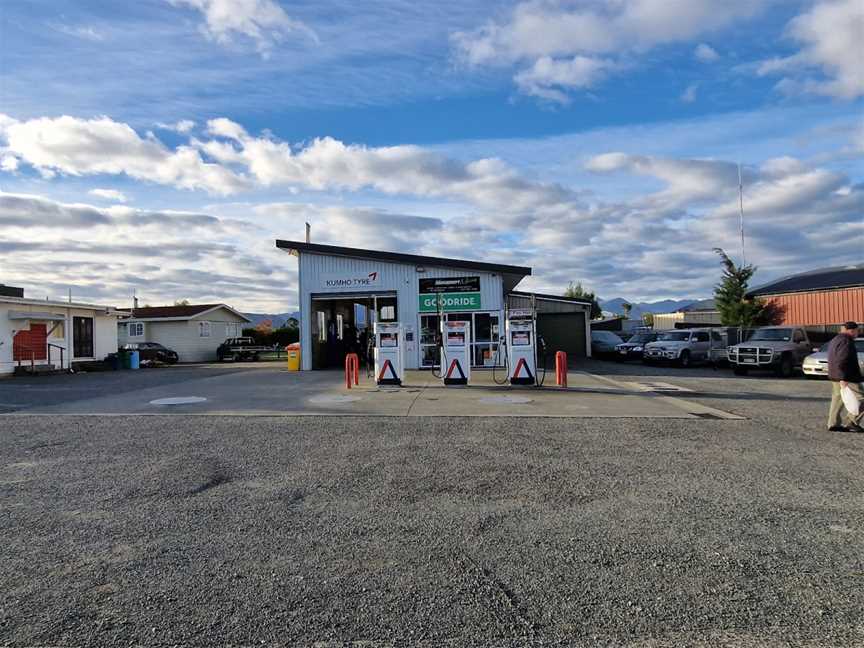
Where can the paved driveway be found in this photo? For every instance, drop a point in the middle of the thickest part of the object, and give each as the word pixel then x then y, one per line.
pixel 264 389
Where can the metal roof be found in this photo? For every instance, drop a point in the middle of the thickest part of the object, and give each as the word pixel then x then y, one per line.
pixel 561 298
pixel 185 311
pixel 399 257
pixel 814 280
pixel 702 305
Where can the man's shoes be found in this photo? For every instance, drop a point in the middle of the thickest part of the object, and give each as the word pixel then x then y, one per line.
pixel 855 429
pixel 837 428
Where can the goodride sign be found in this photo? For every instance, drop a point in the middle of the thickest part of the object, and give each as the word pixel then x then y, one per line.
pixel 449 294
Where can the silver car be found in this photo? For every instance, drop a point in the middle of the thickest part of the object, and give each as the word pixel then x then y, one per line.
pixel 816 364
pixel 686 347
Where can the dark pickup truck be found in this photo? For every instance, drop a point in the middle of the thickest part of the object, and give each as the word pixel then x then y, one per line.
pixel 239 349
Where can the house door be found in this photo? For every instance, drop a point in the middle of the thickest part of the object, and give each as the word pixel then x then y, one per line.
pixel 32 344
pixel 82 337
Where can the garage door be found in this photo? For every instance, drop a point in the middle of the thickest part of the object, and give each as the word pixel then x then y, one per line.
pixel 563 332
pixel 31 344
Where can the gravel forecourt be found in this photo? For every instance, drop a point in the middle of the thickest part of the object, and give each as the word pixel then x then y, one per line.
pixel 202 531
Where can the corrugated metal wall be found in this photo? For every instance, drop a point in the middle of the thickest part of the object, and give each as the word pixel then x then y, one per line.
pixel 402 278
pixel 821 308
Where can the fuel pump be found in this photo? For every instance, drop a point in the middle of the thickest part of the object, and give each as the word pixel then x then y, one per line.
pixel 389 354
pixel 455 352
pixel 521 339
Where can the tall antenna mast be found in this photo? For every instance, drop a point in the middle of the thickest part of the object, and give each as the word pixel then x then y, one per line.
pixel 741 212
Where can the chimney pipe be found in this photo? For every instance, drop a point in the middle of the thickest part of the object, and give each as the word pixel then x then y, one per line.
pixel 308 233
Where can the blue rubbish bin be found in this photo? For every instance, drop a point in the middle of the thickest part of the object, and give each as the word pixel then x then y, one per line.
pixel 135 360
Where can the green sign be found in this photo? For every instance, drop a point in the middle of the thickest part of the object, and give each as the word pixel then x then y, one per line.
pixel 450 302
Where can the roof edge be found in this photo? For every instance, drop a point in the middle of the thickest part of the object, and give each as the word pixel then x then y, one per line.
pixel 400 257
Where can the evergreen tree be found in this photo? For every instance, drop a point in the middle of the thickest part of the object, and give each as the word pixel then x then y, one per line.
pixel 576 291
pixel 730 296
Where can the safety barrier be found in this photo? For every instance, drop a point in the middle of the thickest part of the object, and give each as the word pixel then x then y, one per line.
pixel 352 369
pixel 561 368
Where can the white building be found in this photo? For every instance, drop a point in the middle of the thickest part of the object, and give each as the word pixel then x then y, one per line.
pixel 194 331
pixel 343 290
pixel 701 313
pixel 39 333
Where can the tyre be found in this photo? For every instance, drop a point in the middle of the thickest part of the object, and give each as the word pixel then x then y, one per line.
pixel 786 366
pixel 740 371
pixel 255 357
pixel 684 360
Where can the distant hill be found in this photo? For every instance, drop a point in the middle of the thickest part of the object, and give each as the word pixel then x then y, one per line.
pixel 278 319
pixel 664 306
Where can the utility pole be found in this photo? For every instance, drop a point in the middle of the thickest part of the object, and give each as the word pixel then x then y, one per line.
pixel 741 212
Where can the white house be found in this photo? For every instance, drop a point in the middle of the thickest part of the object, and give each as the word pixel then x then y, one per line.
pixel 194 331
pixel 40 333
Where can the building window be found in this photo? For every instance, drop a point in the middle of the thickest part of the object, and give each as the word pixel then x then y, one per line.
pixel 82 337
pixel 233 330
pixel 136 329
pixel 322 326
pixel 203 329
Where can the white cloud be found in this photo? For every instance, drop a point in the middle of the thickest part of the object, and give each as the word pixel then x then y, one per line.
pixel 103 146
pixel 108 194
pixel 566 46
pixel 547 74
pixel 106 253
pixel 705 53
pixel 85 32
pixel 689 94
pixel 832 37
pixel 263 21
pixel 183 126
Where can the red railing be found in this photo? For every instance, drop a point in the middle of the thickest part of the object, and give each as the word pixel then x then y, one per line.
pixel 352 370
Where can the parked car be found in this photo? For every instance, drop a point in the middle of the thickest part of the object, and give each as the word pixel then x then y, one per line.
pixel 152 352
pixel 816 364
pixel 633 348
pixel 686 347
pixel 604 342
pixel 780 349
pixel 241 348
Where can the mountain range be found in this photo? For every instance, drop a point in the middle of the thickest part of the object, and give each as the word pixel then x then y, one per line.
pixel 278 319
pixel 664 306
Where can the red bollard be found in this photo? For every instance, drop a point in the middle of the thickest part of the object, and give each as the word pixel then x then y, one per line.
pixel 561 369
pixel 352 370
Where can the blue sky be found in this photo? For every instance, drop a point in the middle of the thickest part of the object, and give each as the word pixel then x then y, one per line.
pixel 593 139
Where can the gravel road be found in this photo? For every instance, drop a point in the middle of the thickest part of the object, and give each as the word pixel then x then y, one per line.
pixel 206 531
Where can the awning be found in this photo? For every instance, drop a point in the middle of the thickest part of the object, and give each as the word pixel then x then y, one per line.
pixel 36 315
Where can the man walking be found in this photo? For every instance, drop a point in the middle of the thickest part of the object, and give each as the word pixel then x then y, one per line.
pixel 844 371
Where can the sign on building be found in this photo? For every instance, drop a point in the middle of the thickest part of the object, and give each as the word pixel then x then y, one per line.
pixel 449 294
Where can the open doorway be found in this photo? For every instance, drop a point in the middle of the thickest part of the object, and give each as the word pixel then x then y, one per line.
pixel 342 324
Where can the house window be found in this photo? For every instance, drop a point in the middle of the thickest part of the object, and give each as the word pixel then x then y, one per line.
pixel 233 329
pixel 82 337
pixel 203 329
pixel 136 329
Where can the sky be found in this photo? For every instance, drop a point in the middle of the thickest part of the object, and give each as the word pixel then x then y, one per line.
pixel 160 147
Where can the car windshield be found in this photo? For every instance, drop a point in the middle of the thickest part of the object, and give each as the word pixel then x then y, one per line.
pixel 772 335
pixel 678 336
pixel 640 338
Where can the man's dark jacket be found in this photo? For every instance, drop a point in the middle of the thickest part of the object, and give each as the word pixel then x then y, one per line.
pixel 843 360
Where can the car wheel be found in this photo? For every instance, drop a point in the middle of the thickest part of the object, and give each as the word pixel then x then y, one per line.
pixel 684 360
pixel 786 366
pixel 740 371
pixel 255 357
